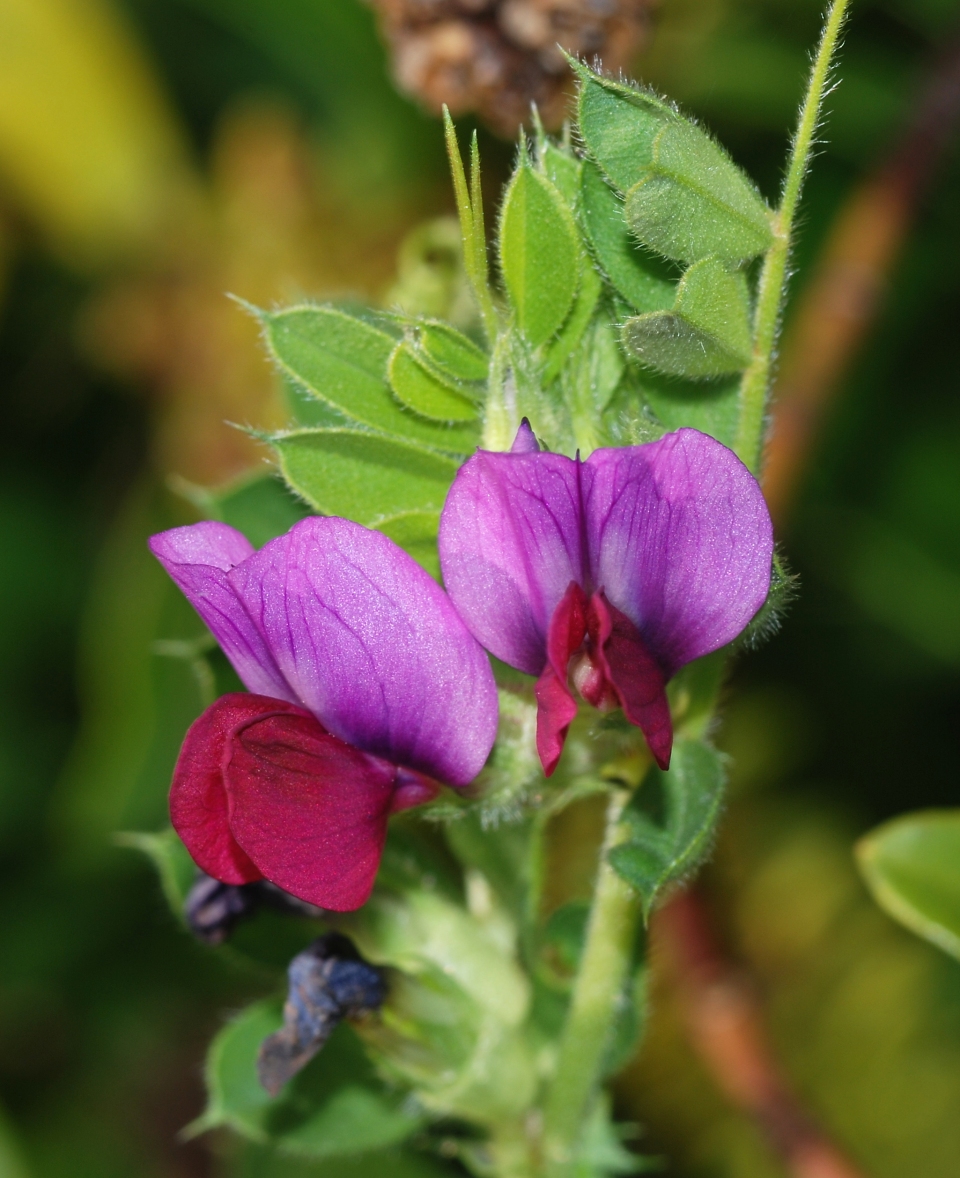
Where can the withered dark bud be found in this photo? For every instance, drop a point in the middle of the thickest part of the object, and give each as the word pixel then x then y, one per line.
pixel 496 57
pixel 329 981
pixel 213 909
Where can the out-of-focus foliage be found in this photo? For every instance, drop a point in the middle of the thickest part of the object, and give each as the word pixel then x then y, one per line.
pixel 848 719
pixel 910 866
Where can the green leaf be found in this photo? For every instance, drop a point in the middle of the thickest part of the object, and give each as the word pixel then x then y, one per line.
pixel 708 331
pixel 263 1161
pixel 713 407
pixel 693 200
pixel 577 323
pixel 418 389
pixel 416 533
pixel 539 254
pixel 618 124
pixel 561 167
pixel 170 857
pixel 619 256
pixel 451 353
pixel 912 867
pixel 362 476
pixel 342 361
pixel 662 849
pixel 334 1107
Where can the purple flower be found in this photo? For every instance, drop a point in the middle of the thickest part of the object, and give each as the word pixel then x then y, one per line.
pixel 367 688
pixel 608 575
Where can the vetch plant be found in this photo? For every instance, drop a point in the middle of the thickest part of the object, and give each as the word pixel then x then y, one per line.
pixel 579 471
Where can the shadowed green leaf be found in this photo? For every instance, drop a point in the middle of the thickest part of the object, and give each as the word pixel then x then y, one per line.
pixel 418 389
pixel 912 867
pixel 666 847
pixel 539 254
pixel 617 253
pixel 693 201
pixel 713 407
pixel 342 361
pixel 708 331
pixel 335 1106
pixel 361 476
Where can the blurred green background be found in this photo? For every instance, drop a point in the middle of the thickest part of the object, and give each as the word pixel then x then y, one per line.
pixel 155 154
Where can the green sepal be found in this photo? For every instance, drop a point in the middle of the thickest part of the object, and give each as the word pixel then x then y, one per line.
pixel 335 1107
pixel 912 868
pixel 618 125
pixel 666 846
pixel 693 201
pixel 362 476
pixel 418 389
pixel 539 253
pixel 621 259
pixel 707 333
pixel 341 360
pixel 450 352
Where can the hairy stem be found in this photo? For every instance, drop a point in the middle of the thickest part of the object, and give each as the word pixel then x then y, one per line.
pixel 754 387
pixel 603 971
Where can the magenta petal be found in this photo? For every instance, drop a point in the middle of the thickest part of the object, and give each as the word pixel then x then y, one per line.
pixel 680 540
pixel 373 647
pixel 198 558
pixel 309 810
pixel 198 797
pixel 510 544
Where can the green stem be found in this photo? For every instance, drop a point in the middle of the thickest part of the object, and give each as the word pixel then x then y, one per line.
pixel 603 971
pixel 755 386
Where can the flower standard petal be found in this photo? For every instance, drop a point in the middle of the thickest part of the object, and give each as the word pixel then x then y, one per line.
pixel 510 544
pixel 680 541
pixel 309 810
pixel 198 558
pixel 198 796
pixel 373 647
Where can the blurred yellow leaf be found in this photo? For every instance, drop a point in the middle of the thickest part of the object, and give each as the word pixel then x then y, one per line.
pixel 88 148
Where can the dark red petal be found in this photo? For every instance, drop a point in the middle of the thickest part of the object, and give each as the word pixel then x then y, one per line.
pixel 635 675
pixel 556 706
pixel 198 799
pixel 309 810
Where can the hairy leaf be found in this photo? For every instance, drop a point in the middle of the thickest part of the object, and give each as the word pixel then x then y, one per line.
pixel 450 352
pixel 912 867
pixel 708 331
pixel 416 534
pixel 619 256
pixel 342 360
pixel 618 125
pixel 361 476
pixel 693 201
pixel 664 848
pixel 539 254
pixel 416 387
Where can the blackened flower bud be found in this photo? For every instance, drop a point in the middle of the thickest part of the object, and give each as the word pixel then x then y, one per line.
pixel 329 981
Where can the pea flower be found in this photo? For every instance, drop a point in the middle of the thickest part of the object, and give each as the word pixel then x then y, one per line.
pixel 367 691
pixel 606 576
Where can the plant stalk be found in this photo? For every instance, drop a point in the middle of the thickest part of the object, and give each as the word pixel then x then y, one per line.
pixel 611 932
pixel 755 385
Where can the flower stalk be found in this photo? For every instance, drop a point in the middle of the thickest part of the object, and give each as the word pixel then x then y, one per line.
pixel 604 966
pixel 755 384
